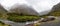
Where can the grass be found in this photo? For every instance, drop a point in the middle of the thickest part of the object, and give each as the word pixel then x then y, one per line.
pixel 22 18
pixel 18 17
pixel 55 13
pixel 3 24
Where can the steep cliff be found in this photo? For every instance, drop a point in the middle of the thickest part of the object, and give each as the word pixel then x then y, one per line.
pixel 2 10
pixel 55 10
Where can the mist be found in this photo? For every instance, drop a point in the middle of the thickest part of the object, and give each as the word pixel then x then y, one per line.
pixel 38 5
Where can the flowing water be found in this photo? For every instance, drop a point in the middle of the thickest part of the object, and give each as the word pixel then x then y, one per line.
pixel 15 23
pixel 12 23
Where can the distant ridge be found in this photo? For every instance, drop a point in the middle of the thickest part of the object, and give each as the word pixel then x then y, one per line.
pixel 2 10
pixel 23 9
pixel 56 7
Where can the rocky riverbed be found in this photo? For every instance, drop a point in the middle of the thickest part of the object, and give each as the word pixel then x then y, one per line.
pixel 56 22
pixel 12 23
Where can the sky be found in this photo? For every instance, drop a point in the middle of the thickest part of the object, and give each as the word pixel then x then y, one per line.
pixel 38 5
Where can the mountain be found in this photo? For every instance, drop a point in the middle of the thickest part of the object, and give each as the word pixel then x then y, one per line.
pixel 56 7
pixel 23 9
pixel 2 10
pixel 45 12
pixel 55 10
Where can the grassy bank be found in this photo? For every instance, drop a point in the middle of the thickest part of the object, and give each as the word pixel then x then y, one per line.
pixel 22 18
pixel 3 24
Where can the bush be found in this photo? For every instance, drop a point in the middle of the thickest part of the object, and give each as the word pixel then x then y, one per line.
pixel 19 18
pixel 55 13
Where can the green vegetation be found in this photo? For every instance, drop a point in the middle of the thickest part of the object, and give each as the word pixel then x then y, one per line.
pixel 22 18
pixel 3 16
pixel 55 13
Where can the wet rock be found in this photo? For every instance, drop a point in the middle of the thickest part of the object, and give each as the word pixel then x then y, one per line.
pixel 56 22
pixel 50 18
pixel 50 24
pixel 43 20
pixel 29 25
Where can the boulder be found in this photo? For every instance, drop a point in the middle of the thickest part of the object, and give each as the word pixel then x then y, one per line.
pixel 51 23
pixel 50 18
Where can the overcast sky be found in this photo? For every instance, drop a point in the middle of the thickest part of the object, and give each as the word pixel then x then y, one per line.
pixel 38 5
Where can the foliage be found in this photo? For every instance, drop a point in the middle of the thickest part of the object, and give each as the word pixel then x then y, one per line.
pixel 55 13
pixel 3 16
pixel 22 18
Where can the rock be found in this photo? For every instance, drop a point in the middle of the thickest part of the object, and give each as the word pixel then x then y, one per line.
pixel 2 10
pixel 29 25
pixel 55 10
pixel 51 23
pixel 50 18
pixel 56 7
pixel 23 9
pixel 43 20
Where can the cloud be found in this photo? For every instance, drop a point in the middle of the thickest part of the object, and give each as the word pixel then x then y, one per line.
pixel 38 5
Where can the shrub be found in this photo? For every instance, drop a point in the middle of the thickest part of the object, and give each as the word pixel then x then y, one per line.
pixel 55 13
pixel 23 18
